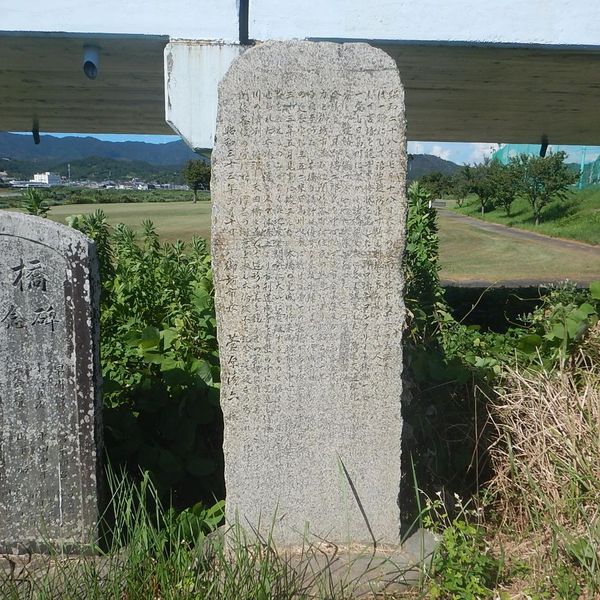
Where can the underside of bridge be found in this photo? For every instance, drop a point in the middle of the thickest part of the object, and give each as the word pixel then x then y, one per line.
pixel 454 92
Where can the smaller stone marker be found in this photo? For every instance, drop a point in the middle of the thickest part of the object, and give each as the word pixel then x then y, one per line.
pixel 50 436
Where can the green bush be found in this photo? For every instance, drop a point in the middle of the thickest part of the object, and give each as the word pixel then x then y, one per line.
pixel 159 359
pixel 439 411
pixel 562 321
pixel 423 293
pixel 462 567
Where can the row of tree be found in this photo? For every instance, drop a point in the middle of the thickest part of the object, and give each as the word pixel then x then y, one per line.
pixel 537 179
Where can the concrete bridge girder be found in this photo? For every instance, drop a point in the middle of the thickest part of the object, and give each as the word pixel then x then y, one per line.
pixel 453 93
pixel 472 71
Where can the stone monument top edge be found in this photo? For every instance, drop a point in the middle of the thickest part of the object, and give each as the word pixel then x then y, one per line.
pixel 368 58
pixel 46 231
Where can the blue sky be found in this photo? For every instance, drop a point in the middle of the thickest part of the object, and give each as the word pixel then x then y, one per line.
pixel 458 152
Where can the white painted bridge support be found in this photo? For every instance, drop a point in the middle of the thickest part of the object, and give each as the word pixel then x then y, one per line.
pixel 193 71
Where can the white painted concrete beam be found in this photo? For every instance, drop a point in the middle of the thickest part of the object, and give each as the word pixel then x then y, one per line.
pixel 191 19
pixel 192 75
pixel 546 22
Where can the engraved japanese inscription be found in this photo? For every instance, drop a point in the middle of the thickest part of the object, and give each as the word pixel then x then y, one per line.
pixel 308 231
pixel 49 400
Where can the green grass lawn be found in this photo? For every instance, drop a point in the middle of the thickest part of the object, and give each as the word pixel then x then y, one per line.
pixel 576 218
pixel 470 253
pixel 465 252
pixel 173 220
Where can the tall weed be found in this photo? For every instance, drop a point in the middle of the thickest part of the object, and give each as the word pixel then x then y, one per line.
pixel 547 459
pixel 150 552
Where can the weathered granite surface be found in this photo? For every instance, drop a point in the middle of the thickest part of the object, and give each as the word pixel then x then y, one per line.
pixel 308 226
pixel 50 441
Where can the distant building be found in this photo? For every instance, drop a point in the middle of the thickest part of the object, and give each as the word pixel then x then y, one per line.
pixel 47 178
pixel 28 183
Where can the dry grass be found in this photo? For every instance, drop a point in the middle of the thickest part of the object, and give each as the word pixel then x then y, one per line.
pixel 549 451
pixel 547 464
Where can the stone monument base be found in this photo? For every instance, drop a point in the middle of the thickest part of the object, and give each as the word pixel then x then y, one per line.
pixel 322 569
pixel 362 571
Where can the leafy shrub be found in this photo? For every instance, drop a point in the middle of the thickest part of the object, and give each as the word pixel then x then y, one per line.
pixel 561 323
pixel 442 429
pixel 463 567
pixel 423 293
pixel 159 359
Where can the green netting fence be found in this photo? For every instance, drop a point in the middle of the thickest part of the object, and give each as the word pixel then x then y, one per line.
pixel 585 159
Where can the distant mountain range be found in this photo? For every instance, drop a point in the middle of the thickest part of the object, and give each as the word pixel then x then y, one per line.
pixel 97 160
pixel 423 164
pixel 56 150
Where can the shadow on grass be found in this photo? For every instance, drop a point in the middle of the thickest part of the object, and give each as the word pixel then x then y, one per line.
pixel 560 210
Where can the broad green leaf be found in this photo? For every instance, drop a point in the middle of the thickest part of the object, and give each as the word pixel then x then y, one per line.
pixel 202 299
pixel 168 363
pixel 595 290
pixel 587 309
pixel 168 336
pixel 202 368
pixel 529 343
pixel 575 327
pixel 153 357
pixel 557 332
pixel 150 338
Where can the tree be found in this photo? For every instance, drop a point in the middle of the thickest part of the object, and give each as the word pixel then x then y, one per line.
pixel 197 176
pixel 461 185
pixel 481 183
pixel 506 183
pixel 437 183
pixel 544 179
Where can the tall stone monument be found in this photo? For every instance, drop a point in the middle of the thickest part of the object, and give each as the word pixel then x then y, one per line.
pixel 308 225
pixel 49 385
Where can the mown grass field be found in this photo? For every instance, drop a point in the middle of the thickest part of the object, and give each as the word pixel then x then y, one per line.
pixel 576 218
pixel 173 220
pixel 466 253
